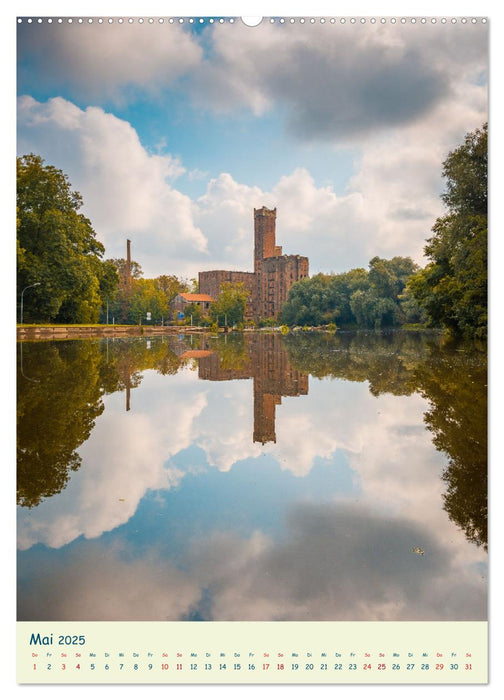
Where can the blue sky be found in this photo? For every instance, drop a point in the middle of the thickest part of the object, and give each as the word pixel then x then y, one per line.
pixel 174 134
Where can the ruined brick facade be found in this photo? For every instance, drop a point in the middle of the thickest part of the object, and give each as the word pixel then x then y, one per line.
pixel 273 276
pixel 211 283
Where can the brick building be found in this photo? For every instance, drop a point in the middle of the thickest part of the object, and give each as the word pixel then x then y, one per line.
pixel 211 283
pixel 273 276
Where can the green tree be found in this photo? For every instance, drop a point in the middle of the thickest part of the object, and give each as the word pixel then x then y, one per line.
pixel 121 266
pixel 389 277
pixel 452 288
pixel 380 304
pixel 323 299
pixel 372 311
pixel 195 314
pixel 136 296
pixel 370 299
pixel 411 311
pixel 308 302
pixel 119 305
pixel 57 247
pixel 342 288
pixel 146 297
pixel 170 285
pixel 230 305
pixel 108 281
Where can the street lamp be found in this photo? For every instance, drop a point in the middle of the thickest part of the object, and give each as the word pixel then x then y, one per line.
pixel 36 284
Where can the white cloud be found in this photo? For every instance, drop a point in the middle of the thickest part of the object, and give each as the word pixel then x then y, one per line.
pixel 359 544
pixel 402 95
pixel 336 232
pixel 127 454
pixel 334 562
pixel 94 61
pixel 126 190
pixel 337 562
pixel 400 174
pixel 339 81
pixel 103 586
pixel 330 81
pixel 388 208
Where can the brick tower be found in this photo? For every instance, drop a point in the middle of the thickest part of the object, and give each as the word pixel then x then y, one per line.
pixel 264 236
pixel 273 276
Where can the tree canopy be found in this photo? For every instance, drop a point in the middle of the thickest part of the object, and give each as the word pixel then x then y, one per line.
pixel 371 298
pixel 137 297
pixel 57 248
pixel 452 288
pixel 230 305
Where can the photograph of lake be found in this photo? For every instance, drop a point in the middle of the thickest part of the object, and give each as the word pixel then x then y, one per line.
pixel 252 321
pixel 252 477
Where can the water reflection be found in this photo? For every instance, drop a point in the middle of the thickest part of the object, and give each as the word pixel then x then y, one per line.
pixel 57 408
pixel 455 384
pixel 264 359
pixel 182 469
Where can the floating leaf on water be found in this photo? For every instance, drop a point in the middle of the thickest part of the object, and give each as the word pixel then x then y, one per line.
pixel 418 550
pixel 122 500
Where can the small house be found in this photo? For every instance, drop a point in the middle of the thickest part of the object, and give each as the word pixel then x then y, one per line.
pixel 185 299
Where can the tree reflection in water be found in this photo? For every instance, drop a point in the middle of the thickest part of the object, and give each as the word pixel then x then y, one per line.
pixel 451 376
pixel 56 414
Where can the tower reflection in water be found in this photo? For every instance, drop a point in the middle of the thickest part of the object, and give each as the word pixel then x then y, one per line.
pixel 263 359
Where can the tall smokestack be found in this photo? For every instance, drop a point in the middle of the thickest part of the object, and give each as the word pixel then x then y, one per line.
pixel 128 261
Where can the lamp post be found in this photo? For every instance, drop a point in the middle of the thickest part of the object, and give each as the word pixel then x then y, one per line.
pixel 36 284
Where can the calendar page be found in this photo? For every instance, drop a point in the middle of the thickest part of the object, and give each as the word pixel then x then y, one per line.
pixel 251 349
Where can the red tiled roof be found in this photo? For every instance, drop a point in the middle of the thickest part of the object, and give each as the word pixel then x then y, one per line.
pixel 196 297
pixel 196 354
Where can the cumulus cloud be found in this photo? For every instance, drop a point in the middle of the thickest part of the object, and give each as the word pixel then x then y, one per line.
pixel 338 562
pixel 130 453
pixel 311 220
pixel 337 81
pixel 348 557
pixel 387 208
pixel 331 81
pixel 103 585
pixel 127 191
pixel 131 193
pixel 105 61
pixel 127 455
pixel 335 562
pixel 336 232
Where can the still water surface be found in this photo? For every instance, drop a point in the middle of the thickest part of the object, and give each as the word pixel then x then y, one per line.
pixel 252 477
